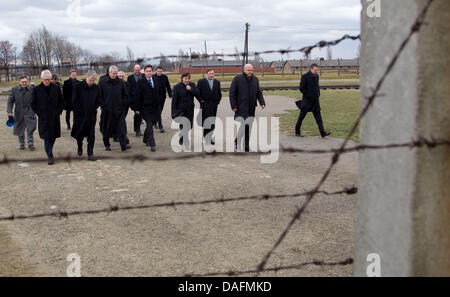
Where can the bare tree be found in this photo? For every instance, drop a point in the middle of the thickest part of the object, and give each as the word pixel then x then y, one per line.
pixel 89 57
pixel 60 49
pixel 7 54
pixel 39 47
pixel 74 53
pixel 46 42
pixel 130 54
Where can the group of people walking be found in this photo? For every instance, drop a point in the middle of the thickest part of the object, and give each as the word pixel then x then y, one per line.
pixel 145 93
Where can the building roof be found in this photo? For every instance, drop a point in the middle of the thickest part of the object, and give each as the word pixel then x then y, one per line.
pixel 277 64
pixel 325 63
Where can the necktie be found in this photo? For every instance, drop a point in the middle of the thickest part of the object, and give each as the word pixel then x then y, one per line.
pixel 150 80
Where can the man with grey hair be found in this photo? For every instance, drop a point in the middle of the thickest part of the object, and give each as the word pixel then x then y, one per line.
pixel 20 98
pixel 114 105
pixel 86 100
pixel 47 103
pixel 244 95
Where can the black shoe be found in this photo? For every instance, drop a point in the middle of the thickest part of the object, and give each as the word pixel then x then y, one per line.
pixel 22 147
pixel 107 148
pixel 181 141
pixel 68 127
pixel 153 149
pixel 92 158
pixel 326 134
pixel 80 152
pixel 127 141
pixel 51 161
pixel 162 130
pixel 127 147
pixel 299 135
pixel 31 147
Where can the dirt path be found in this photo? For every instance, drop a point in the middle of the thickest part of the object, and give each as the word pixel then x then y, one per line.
pixel 168 241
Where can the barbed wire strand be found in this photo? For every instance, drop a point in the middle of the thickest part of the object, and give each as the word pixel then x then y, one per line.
pixel 69 157
pixel 348 261
pixel 370 99
pixel 65 214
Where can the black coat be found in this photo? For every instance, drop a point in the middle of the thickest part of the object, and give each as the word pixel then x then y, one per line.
pixel 114 104
pixel 68 87
pixel 147 99
pixel 183 100
pixel 48 108
pixel 244 94
pixel 164 86
pixel 86 100
pixel 132 84
pixel 309 86
pixel 209 99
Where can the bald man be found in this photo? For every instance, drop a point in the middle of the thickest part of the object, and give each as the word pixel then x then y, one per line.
pixel 132 83
pixel 244 95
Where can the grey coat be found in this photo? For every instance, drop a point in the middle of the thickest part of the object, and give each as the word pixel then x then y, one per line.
pixel 20 99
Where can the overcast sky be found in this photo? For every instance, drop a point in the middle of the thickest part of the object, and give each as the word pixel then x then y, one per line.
pixel 151 27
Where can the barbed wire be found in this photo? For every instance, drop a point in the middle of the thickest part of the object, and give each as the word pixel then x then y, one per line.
pixel 116 208
pixel 196 56
pixel 69 157
pixel 348 261
pixel 370 99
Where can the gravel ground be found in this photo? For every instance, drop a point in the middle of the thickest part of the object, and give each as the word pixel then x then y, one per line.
pixel 174 241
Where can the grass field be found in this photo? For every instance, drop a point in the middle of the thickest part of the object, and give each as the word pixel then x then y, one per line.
pixel 340 109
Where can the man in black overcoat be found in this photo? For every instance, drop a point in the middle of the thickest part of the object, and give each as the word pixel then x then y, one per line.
pixel 132 83
pixel 114 105
pixel 164 88
pixel 244 95
pixel 68 87
pixel 183 103
pixel 147 104
pixel 210 96
pixel 309 87
pixel 86 100
pixel 47 103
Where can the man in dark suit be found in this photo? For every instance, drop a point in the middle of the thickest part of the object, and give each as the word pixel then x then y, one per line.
pixel 210 96
pixel 164 86
pixel 309 86
pixel 86 100
pixel 47 103
pixel 183 103
pixel 68 87
pixel 114 105
pixel 244 93
pixel 132 84
pixel 147 104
